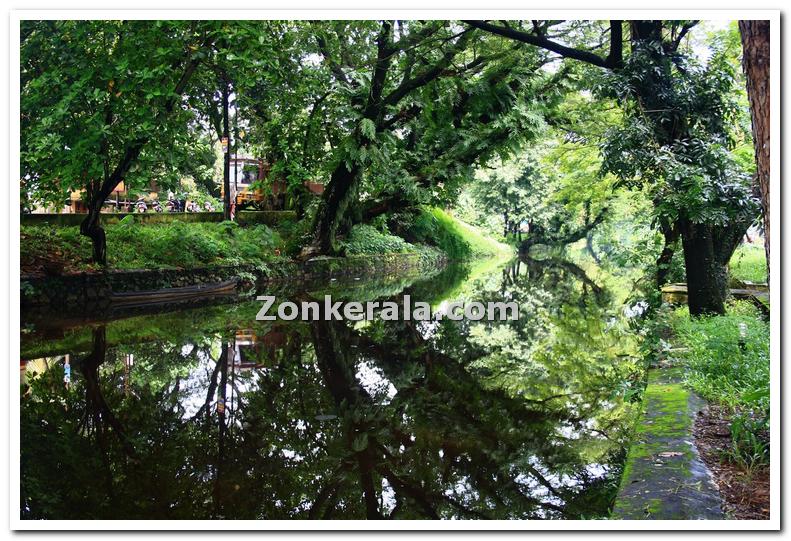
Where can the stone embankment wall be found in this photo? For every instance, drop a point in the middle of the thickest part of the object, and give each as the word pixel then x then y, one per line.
pixel 89 292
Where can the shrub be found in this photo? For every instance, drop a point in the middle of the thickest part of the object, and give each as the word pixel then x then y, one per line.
pixel 728 362
pixel 723 367
pixel 366 239
pixel 749 440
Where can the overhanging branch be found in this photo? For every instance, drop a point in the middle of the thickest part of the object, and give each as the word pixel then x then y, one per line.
pixel 611 62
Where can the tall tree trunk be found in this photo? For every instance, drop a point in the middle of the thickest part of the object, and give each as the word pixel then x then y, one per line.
pixel 755 43
pixel 707 251
pixel 226 166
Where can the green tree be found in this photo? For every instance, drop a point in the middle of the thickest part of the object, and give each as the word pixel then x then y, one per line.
pixel 515 191
pixel 296 117
pixel 675 139
pixel 95 111
pixel 240 56
pixel 424 101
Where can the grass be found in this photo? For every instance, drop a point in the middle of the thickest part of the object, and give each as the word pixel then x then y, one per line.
pixel 430 228
pixel 748 263
pixel 728 363
pixel 132 245
pixel 723 367
pixel 456 238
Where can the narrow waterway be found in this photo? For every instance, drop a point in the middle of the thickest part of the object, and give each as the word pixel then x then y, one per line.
pixel 208 413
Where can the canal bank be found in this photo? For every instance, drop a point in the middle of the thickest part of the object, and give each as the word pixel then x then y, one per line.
pixel 664 476
pixel 94 292
pixel 700 448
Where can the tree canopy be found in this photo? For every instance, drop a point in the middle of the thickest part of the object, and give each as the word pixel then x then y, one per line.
pixel 542 121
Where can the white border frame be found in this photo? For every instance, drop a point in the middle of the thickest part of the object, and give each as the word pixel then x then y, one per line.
pixel 291 525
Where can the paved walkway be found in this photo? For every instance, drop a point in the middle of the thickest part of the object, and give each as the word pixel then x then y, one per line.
pixel 664 477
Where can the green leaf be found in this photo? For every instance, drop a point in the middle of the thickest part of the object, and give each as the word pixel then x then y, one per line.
pixel 368 128
pixel 360 443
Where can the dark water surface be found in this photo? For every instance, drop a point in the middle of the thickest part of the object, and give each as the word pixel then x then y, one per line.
pixel 208 413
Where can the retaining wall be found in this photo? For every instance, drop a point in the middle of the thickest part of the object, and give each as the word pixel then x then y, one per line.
pixel 87 293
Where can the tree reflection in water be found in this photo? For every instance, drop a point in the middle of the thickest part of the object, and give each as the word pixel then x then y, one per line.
pixel 329 419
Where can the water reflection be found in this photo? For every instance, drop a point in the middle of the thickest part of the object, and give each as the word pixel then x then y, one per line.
pixel 226 417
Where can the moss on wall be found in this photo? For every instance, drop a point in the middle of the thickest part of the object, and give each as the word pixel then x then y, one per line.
pixel 664 477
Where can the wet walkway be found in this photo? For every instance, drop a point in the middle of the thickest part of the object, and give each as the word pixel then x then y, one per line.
pixel 664 477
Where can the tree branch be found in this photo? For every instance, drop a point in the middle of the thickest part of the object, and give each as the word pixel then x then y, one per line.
pixel 385 51
pixel 429 74
pixel 684 30
pixel 334 66
pixel 540 237
pixel 540 41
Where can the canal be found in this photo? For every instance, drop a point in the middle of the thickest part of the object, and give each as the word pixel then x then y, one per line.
pixel 204 412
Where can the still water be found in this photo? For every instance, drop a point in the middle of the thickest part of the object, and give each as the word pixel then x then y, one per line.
pixel 206 413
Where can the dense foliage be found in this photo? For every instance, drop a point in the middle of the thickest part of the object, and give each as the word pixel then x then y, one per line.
pixel 366 239
pixel 392 115
pixel 456 238
pixel 728 362
pixel 617 156
pixel 176 244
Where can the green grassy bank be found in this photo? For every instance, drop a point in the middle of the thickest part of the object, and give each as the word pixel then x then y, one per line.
pixel 50 249
pixel 748 263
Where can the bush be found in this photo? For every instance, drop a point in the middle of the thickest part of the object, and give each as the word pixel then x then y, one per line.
pixel 749 440
pixel 731 369
pixel 64 243
pixel 366 239
pixel 723 367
